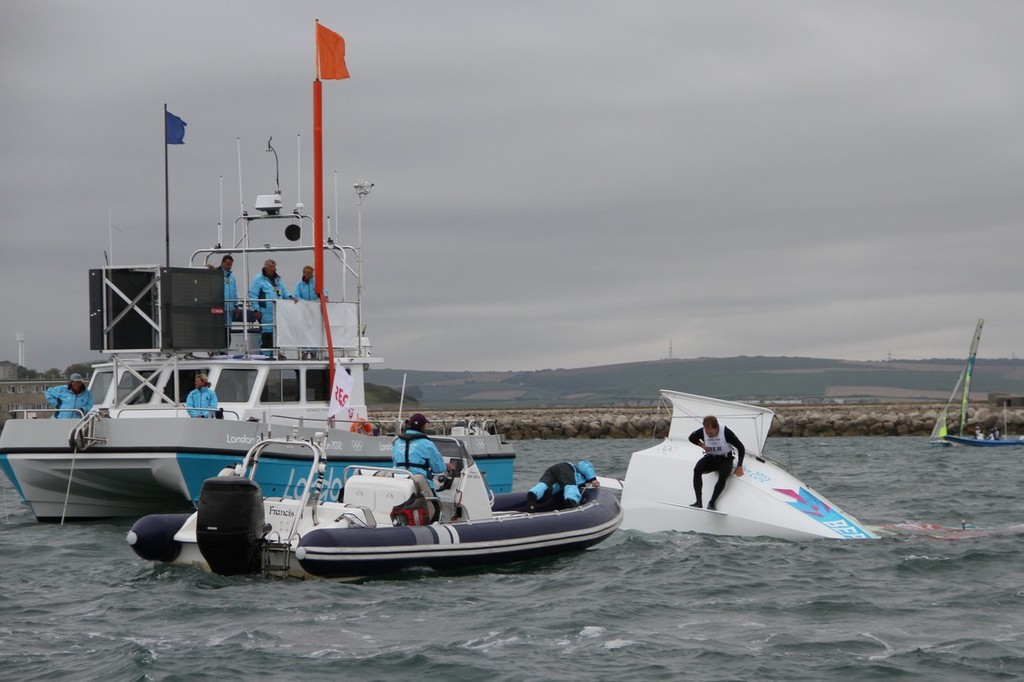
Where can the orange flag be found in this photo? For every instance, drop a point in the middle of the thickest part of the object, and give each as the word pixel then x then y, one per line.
pixel 330 54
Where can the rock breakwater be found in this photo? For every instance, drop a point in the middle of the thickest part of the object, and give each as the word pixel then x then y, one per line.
pixel 791 421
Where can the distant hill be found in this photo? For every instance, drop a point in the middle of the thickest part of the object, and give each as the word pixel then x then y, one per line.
pixel 739 378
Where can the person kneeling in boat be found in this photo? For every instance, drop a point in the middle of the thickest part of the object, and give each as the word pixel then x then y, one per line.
pixel 414 451
pixel 566 477
pixel 717 444
pixel 202 401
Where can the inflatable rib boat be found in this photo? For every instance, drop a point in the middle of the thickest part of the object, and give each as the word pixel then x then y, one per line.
pixel 387 520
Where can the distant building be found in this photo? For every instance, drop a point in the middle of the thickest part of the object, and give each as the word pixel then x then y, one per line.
pixel 1005 400
pixel 17 395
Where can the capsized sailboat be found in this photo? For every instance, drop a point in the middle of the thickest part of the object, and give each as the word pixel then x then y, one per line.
pixel 766 501
pixel 961 394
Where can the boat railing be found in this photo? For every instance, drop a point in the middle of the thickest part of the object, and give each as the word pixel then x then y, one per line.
pixel 296 328
pixel 169 411
pixel 303 421
pixel 83 434
pixel 33 412
pixel 346 325
pixel 314 481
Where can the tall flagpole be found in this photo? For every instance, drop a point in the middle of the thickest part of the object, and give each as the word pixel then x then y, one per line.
pixel 318 207
pixel 167 197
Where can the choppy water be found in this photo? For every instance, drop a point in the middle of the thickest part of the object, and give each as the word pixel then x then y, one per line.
pixel 78 604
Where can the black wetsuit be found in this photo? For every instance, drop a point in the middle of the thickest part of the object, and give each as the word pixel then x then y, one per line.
pixel 709 462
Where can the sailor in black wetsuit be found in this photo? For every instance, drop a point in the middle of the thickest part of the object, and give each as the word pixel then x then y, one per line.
pixel 717 444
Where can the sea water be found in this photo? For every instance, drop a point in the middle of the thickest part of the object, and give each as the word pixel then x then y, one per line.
pixel 920 603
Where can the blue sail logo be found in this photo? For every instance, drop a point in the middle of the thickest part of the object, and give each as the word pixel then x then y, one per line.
pixel 809 504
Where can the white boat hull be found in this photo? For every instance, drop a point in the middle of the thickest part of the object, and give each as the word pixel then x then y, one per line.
pixel 157 464
pixel 766 501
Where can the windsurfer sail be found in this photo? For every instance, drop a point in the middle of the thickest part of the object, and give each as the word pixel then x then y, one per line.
pixel 962 390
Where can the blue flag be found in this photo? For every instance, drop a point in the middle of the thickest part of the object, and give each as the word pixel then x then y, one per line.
pixel 175 128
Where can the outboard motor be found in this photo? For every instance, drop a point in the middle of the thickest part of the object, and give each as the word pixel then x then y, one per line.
pixel 229 525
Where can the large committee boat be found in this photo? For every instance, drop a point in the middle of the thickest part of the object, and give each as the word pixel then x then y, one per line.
pixel 138 451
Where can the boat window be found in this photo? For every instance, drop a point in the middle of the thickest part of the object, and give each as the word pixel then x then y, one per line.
pixel 282 386
pixel 100 385
pixel 186 382
pixel 318 388
pixel 129 383
pixel 235 385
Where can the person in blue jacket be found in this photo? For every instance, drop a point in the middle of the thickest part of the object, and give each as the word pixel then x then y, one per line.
pixel 413 450
pixel 305 288
pixel 266 287
pixel 202 401
pixel 231 304
pixel 566 477
pixel 72 401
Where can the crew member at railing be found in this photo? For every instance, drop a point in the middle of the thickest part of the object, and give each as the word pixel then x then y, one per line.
pixel 72 401
pixel 266 288
pixel 232 304
pixel 305 290
pixel 202 401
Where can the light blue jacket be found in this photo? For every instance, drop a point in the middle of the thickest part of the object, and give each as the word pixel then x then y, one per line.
pixel 201 398
pixel 423 456
pixel 306 291
pixel 582 473
pixel 230 289
pixel 230 293
pixel 68 402
pixel 262 291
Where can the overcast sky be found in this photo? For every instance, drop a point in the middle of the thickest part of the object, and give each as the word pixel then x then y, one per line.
pixel 557 184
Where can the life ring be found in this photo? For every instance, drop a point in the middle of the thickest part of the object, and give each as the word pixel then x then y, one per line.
pixel 362 426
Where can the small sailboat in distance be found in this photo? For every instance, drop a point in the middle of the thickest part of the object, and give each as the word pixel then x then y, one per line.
pixel 962 392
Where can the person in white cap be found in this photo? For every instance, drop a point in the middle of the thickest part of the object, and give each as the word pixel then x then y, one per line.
pixel 72 401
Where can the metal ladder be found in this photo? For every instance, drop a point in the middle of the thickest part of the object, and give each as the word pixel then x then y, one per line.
pixel 277 557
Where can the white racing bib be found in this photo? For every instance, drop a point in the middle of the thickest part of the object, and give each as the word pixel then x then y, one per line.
pixel 717 445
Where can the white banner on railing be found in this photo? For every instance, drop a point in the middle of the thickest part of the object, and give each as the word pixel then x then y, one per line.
pixel 300 325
